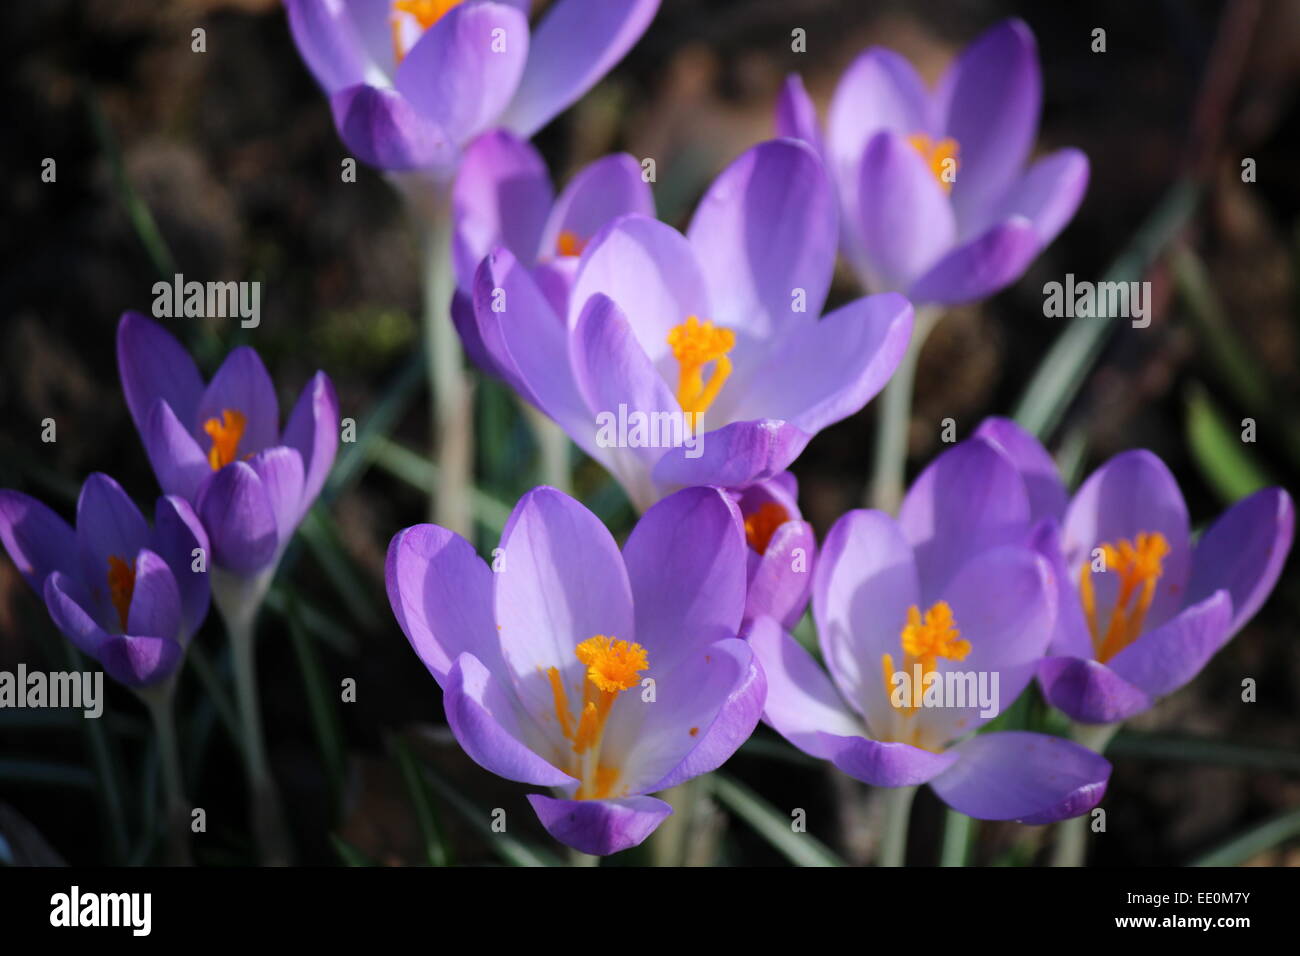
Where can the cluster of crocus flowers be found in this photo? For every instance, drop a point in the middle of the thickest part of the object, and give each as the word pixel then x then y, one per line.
pixel 1142 608
pixel 125 594
pixel 717 333
pixel 947 598
pixel 410 82
pixel 937 202
pixel 605 675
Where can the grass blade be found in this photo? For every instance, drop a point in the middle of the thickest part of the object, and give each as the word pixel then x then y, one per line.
pixel 801 849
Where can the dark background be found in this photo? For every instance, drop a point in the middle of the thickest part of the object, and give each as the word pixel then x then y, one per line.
pixel 231 155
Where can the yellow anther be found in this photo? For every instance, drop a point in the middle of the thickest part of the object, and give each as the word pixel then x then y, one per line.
pixel 225 433
pixel 941 156
pixel 569 243
pixel 762 524
pixel 924 640
pixel 695 344
pixel 1139 565
pixel 425 13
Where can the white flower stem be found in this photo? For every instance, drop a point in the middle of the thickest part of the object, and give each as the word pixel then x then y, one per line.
pixel 887 480
pixel 552 448
pixel 1071 847
pixel 898 814
pixel 159 701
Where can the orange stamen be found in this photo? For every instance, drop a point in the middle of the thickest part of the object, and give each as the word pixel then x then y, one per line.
pixel 762 524
pixel 696 344
pixel 941 156
pixel 425 13
pixel 1139 564
pixel 225 433
pixel 121 587
pixel 569 244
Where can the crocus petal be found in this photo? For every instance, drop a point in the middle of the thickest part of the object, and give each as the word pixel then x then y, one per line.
pixel 155 600
pixel 483 718
pixel 441 594
pixel 562 582
pixel 242 384
pixel 373 22
pixel 969 499
pixel 108 525
pixel 826 371
pixel 885 764
pixel 977 269
pixel 1048 193
pixel 802 705
pixel 780 581
pixel 467 327
pixel 383 129
pixel 281 472
pixel 650 270
pixel 174 454
pixel 465 68
pixel 1164 659
pixel 62 597
pixel 880 90
pixel 177 534
pixel 313 432
pixel 1028 777
pixel 796 116
pixel 1244 552
pixel 1047 494
pixel 577 43
pixel 153 365
pixel 1133 492
pixel 1089 692
pixel 904 219
pixel 1071 636
pixel 991 98
pixel 733 456
pixel 600 827
pixel 501 197
pixel 611 187
pixel 686 562
pixel 39 542
pixel 863 584
pixel 767 229
pixel 236 510
pixel 327 40
pixel 140 661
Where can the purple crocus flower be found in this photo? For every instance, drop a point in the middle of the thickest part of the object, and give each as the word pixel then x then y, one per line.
pixel 123 593
pixel 605 675
pixel 782 549
pixel 410 82
pixel 945 590
pixel 698 359
pixel 936 200
pixel 1142 608
pixel 220 446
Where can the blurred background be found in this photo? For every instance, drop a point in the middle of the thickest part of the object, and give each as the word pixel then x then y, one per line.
pixel 225 166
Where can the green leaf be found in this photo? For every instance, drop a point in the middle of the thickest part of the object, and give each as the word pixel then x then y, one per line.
pixel 437 850
pixel 321 701
pixel 511 850
pixel 801 849
pixel 349 854
pixel 1254 841
pixel 1219 452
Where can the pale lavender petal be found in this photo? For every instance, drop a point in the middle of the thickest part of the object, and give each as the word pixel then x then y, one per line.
pixel 501 197
pixel 153 365
pixel 1047 494
pixel 576 43
pixel 1047 194
pixel 1167 657
pixel 1027 777
pixel 484 720
pixel 767 230
pixel 313 432
pixel 780 579
pixel 174 453
pixel 281 472
pixel 441 594
pixel 991 99
pixel 39 542
pixel 733 456
pixel 1089 692
pixel 904 220
pixel 243 385
pixel 1244 551
pixel 140 661
pixel 980 267
pixel 611 187
pixel 796 116
pixel 237 512
pixel 155 609
pixel 62 598
pixel 383 129
pixel 969 499
pixel 108 525
pixel 880 90
pixel 327 39
pixel 177 534
pixel 885 764
pixel 465 68
pixel 1071 637
pixel 600 827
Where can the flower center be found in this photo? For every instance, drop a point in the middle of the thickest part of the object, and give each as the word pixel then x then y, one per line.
pixel 424 13
pixel 613 666
pixel 924 640
pixel 762 524
pixel 121 587
pixel 569 243
pixel 1139 566
pixel 941 156
pixel 225 433
pixel 696 344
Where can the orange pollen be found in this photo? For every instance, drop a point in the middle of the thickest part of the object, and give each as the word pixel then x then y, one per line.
pixel 924 641
pixel 941 157
pixel 613 666
pixel 425 13
pixel 762 524
pixel 695 344
pixel 121 587
pixel 225 433
pixel 569 243
pixel 1139 565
